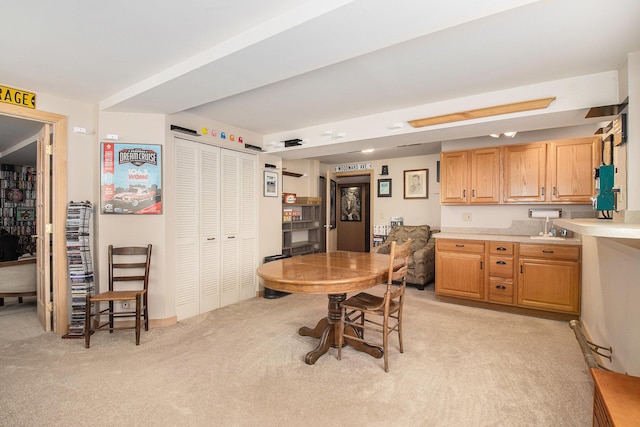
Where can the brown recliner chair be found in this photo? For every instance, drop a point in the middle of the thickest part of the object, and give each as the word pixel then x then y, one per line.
pixel 422 260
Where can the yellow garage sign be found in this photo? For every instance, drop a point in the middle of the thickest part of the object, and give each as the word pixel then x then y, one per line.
pixel 9 95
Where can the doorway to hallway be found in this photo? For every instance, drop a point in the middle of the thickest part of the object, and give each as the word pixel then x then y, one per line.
pixel 353 216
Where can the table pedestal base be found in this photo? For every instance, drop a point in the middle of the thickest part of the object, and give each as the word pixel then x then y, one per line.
pixel 325 330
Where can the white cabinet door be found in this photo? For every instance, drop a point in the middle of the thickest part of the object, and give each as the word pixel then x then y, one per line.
pixel 187 224
pixel 216 227
pixel 209 199
pixel 249 227
pixel 231 214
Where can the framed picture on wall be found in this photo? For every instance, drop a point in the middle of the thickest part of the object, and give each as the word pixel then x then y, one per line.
pixel 270 184
pixel 384 187
pixel 350 203
pixel 332 203
pixel 416 184
pixel 131 178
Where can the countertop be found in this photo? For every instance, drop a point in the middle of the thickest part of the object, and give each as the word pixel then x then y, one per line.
pixel 508 238
pixel 600 227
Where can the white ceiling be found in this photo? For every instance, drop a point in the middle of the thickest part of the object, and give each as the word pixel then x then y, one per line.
pixel 278 67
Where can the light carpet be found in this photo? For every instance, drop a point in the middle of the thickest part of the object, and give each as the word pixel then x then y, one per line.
pixel 243 365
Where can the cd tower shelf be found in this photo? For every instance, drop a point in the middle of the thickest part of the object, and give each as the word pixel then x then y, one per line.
pixel 79 263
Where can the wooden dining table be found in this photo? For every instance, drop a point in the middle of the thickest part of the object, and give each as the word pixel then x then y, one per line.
pixel 333 274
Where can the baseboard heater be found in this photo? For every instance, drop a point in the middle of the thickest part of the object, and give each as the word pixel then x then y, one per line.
pixel 588 348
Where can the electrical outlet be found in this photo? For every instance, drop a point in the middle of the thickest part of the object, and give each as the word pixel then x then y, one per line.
pixel 466 216
pixel 126 305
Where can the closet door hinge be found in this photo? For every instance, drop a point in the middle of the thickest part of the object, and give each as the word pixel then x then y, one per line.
pixel 49 306
pixel 48 228
pixel 49 150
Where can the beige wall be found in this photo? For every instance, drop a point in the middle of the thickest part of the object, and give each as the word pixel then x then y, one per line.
pixel 136 230
pixel 414 211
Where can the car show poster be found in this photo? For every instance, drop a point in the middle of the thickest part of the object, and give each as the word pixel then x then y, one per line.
pixel 131 178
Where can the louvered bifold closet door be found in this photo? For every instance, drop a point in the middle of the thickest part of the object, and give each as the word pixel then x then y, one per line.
pixel 249 227
pixel 187 221
pixel 209 228
pixel 230 199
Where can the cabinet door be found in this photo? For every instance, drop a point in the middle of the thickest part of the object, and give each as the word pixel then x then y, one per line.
pixel 249 222
pixel 571 165
pixel 460 275
pixel 525 173
pixel 454 177
pixel 485 175
pixel 549 285
pixel 209 200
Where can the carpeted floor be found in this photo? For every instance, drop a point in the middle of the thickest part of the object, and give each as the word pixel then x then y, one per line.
pixel 243 365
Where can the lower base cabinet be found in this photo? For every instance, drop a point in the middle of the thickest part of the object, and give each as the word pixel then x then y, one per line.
pixel 532 276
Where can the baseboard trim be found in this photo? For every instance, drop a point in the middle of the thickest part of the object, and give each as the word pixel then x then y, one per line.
pixel 509 308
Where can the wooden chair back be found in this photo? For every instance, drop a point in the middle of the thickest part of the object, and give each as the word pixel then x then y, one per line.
pixel 129 264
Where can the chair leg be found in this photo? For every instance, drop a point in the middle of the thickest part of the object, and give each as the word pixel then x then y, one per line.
pixel 138 306
pixel 385 343
pixel 87 322
pixel 400 330
pixel 146 313
pixel 110 317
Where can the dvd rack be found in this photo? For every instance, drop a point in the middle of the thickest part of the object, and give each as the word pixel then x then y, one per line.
pixel 79 263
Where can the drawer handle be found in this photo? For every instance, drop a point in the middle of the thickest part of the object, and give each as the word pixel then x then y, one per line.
pixel 547 252
pixel 501 249
pixel 459 246
pixel 501 262
pixel 501 287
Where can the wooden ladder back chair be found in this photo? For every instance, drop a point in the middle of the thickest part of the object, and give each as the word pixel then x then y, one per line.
pixel 126 264
pixel 386 310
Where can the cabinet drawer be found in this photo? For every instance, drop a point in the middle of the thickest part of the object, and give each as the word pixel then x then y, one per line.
pixel 501 248
pixel 501 266
pixel 550 251
pixel 501 290
pixel 469 246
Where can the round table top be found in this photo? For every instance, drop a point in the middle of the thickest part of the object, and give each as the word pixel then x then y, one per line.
pixel 326 273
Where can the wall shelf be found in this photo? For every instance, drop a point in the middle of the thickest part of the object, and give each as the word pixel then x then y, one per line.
pixel 301 228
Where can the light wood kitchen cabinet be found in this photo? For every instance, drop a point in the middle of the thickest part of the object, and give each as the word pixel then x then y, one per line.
pixel 470 177
pixel 542 172
pixel 529 277
pixel 454 177
pixel 571 165
pixel 549 277
pixel 525 172
pixel 460 268
pixel 502 267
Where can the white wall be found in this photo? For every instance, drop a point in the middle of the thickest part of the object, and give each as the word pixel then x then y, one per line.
pixel 81 149
pixel 137 230
pixel 610 268
pixel 306 185
pixel 414 211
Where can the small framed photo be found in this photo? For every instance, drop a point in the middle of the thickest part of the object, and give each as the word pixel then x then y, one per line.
pixel 384 187
pixel 350 203
pixel 270 184
pixel 416 184
pixel 26 214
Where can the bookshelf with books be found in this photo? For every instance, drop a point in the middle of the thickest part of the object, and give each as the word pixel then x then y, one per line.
pixel 18 204
pixel 78 235
pixel 301 228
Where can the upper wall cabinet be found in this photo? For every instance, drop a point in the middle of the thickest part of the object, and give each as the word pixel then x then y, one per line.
pixel 470 177
pixel 544 172
pixel 571 165
pixel 525 173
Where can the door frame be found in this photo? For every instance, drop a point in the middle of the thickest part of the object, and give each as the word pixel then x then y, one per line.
pixel 371 174
pixel 58 201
